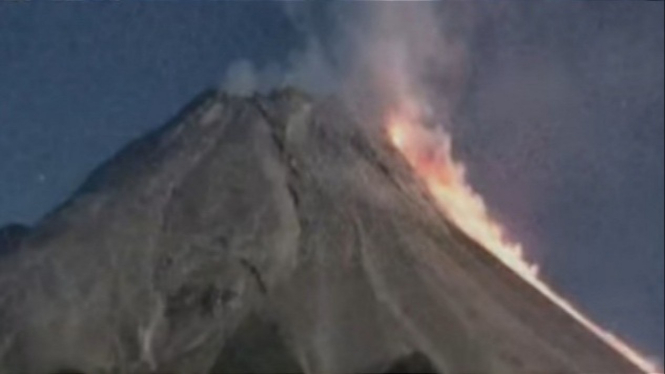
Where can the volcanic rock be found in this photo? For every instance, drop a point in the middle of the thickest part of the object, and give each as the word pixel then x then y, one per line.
pixel 271 234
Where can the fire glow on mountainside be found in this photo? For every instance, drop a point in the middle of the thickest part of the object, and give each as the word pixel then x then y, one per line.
pixel 429 153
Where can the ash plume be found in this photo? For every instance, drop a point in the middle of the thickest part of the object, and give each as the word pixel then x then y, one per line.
pixel 371 54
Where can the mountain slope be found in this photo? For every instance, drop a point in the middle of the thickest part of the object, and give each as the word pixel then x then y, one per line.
pixel 271 234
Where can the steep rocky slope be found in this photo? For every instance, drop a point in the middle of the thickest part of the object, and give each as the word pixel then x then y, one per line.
pixel 270 234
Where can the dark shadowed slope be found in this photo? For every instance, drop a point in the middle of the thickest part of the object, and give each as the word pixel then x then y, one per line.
pixel 11 236
pixel 271 234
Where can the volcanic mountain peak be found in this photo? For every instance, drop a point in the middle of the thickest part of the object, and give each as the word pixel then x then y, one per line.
pixel 271 234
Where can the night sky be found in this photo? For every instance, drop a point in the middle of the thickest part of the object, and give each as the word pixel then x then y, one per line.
pixel 561 124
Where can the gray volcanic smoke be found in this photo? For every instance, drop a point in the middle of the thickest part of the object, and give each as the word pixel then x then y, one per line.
pixel 372 54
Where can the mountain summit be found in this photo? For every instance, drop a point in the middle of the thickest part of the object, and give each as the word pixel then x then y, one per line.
pixel 271 234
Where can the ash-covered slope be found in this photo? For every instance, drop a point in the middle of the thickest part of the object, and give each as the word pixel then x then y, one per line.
pixel 270 234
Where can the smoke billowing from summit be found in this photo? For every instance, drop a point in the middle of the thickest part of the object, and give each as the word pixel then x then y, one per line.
pixel 371 54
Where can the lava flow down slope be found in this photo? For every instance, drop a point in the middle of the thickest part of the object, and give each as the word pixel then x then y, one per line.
pixel 275 234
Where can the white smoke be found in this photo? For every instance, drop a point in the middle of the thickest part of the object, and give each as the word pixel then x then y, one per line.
pixel 241 78
pixel 370 54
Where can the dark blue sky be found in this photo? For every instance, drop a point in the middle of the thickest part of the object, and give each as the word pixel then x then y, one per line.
pixel 562 124
pixel 77 81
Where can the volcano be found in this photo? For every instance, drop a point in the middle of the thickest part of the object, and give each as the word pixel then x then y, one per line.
pixel 271 234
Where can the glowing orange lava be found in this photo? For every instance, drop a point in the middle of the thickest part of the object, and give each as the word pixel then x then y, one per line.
pixel 429 153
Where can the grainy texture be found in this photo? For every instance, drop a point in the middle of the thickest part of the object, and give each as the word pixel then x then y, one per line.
pixel 11 236
pixel 270 234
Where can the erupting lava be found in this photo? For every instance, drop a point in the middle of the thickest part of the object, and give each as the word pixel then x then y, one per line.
pixel 429 153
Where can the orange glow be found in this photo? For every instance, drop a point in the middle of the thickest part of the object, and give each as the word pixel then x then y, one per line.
pixel 429 153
